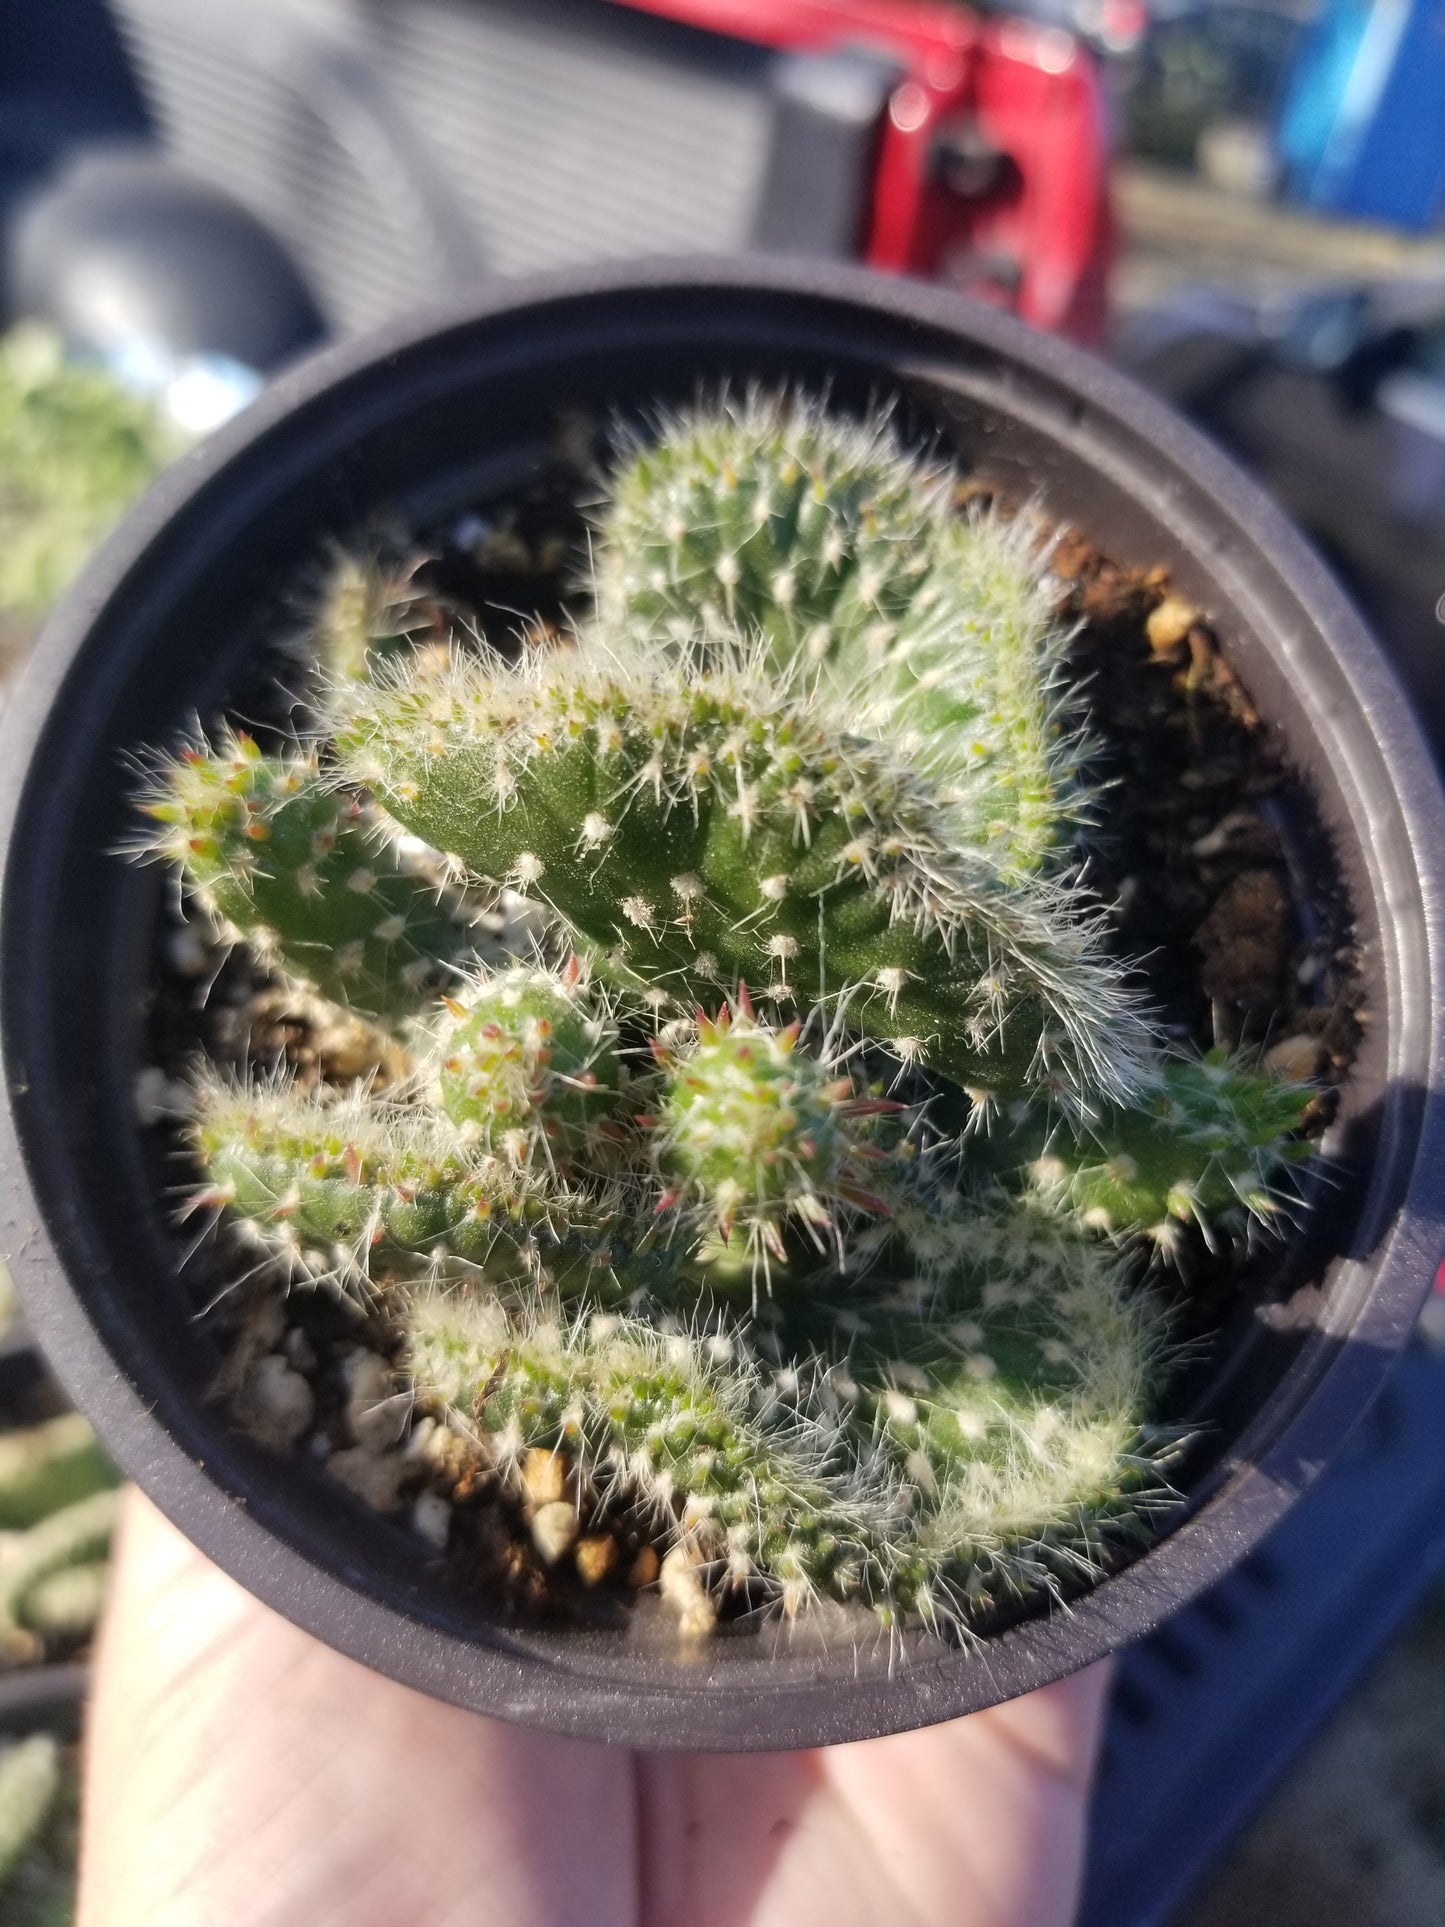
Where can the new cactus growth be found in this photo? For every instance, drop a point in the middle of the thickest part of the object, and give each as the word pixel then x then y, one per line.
pixel 762 1134
pixel 794 807
pixel 528 1065
pixel 1209 1147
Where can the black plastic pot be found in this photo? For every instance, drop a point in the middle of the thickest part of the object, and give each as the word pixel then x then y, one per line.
pixel 460 406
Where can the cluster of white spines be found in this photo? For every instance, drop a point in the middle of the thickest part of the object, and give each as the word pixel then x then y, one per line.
pixel 844 553
pixel 742 831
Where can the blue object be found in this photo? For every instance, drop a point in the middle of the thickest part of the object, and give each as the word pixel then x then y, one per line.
pixel 1362 129
pixel 1207 1713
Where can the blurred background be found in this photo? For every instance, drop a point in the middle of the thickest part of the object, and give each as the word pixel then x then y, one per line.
pixel 1241 201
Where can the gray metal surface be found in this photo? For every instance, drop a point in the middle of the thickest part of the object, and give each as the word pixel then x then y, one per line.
pixel 406 150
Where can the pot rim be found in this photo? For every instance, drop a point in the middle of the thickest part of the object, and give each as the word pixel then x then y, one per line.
pixel 1375 1317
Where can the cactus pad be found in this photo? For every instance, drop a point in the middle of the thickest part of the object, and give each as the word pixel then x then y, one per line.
pixel 704 831
pixel 294 866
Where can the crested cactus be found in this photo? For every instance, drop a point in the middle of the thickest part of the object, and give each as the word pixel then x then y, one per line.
pixel 1003 1376
pixel 671 1194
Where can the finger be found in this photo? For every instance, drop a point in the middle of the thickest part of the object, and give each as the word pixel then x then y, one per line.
pixel 239 1770
pixel 975 1823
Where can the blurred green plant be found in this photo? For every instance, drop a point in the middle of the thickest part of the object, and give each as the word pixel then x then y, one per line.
pixel 76 448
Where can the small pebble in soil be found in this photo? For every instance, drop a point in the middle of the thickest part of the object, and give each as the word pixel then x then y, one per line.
pixel 595 1557
pixel 431 1519
pixel 376 1413
pixel 546 1476
pixel 300 1352
pixel 554 1530
pixel 275 1404
pixel 1297 1057
pixel 373 1477
pixel 685 1593
pixel 1168 625
pixel 644 1568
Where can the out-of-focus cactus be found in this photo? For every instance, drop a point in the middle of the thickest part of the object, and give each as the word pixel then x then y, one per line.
pixel 45 1467
pixel 79 1535
pixel 75 449
pixel 371 608
pixel 30 1780
pixel 760 1134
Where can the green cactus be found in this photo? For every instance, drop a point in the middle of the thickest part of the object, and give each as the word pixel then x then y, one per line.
pixel 817 749
pixel 1005 1365
pixel 762 1135
pixel 685 1428
pixel 343 1189
pixel 528 1065
pixel 842 551
pixel 1209 1147
pixel 704 830
pixel 295 867
pixel 769 515
pixel 47 1466
pixel 30 1782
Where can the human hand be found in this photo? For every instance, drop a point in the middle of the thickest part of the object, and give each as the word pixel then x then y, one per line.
pixel 241 1774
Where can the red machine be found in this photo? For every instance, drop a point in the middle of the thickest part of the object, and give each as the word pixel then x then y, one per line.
pixel 425 144
pixel 991 167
